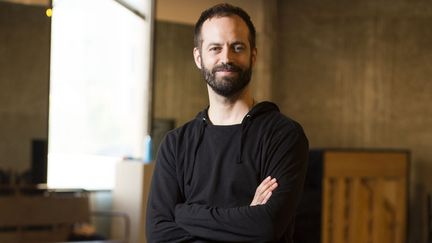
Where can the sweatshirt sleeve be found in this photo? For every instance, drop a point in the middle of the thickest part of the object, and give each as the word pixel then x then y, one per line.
pixel 287 162
pixel 164 195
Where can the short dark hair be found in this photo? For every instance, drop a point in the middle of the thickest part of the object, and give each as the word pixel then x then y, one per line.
pixel 223 10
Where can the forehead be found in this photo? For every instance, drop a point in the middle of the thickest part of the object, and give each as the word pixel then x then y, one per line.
pixel 225 29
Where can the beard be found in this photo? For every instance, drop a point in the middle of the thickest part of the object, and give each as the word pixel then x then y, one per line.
pixel 227 86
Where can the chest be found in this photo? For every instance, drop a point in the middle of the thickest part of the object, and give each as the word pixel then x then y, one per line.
pixel 227 167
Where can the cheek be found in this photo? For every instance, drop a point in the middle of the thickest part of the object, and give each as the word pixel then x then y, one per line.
pixel 208 63
pixel 245 62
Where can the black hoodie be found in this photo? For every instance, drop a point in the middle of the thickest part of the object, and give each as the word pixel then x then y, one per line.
pixel 206 176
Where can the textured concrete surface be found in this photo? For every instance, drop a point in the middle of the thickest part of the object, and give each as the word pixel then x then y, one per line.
pixel 179 90
pixel 24 82
pixel 357 74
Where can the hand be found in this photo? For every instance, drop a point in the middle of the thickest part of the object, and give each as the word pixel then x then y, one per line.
pixel 264 191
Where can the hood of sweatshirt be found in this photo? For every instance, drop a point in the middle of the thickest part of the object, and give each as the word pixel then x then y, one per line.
pixel 203 121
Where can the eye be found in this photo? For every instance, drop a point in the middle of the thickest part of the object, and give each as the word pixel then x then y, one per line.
pixel 238 48
pixel 214 48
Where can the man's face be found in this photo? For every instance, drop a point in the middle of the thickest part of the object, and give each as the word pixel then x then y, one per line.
pixel 225 57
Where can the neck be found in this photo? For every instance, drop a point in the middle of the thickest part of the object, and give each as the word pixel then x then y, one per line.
pixel 229 111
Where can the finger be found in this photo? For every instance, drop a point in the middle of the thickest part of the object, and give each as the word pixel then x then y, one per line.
pixel 273 186
pixel 269 193
pixel 269 189
pixel 263 183
pixel 263 197
pixel 267 197
pixel 267 185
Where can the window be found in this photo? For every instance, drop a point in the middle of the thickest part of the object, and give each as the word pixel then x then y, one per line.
pixel 99 89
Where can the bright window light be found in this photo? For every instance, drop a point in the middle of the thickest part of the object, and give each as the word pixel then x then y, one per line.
pixel 98 91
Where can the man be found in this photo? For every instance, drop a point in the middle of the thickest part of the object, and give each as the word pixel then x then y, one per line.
pixel 234 173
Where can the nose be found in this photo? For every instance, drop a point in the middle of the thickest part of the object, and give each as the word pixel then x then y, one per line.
pixel 226 55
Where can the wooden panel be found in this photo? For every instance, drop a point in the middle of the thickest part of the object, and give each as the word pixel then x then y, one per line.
pixel 401 218
pixel 327 208
pixel 354 218
pixel 358 164
pixel 58 235
pixel 377 214
pixel 40 218
pixel 364 197
pixel 36 210
pixel 362 218
pixel 338 211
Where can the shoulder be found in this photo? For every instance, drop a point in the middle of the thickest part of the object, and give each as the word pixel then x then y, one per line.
pixel 267 114
pixel 183 134
pixel 286 134
pixel 276 121
pixel 280 131
pixel 177 141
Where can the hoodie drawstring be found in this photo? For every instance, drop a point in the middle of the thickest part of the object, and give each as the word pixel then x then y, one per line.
pixel 245 127
pixel 257 110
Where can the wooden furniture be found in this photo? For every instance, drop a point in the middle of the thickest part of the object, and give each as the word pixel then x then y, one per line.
pixel 364 196
pixel 31 215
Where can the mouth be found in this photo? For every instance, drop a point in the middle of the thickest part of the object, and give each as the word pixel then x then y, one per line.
pixel 227 70
pixel 226 73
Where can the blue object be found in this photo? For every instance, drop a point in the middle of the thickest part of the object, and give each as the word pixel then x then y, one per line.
pixel 147 156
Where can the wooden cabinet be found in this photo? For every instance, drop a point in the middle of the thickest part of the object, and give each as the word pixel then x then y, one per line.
pixel 354 196
pixel 364 196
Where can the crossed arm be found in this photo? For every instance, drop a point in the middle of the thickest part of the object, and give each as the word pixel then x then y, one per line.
pixel 168 231
pixel 266 218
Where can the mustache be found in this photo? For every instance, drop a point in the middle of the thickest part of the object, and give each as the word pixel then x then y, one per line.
pixel 229 67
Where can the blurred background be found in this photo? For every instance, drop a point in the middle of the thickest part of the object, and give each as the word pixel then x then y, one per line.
pixel 87 84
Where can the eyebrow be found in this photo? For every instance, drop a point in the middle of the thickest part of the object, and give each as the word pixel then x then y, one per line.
pixel 214 44
pixel 219 44
pixel 239 43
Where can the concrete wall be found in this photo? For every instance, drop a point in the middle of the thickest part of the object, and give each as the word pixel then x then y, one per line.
pixel 179 90
pixel 24 82
pixel 357 74
pixel 188 11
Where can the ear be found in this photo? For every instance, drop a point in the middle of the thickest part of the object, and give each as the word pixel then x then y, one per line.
pixel 254 56
pixel 197 57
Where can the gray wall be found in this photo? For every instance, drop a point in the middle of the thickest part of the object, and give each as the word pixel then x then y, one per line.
pixel 24 80
pixel 179 90
pixel 358 74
